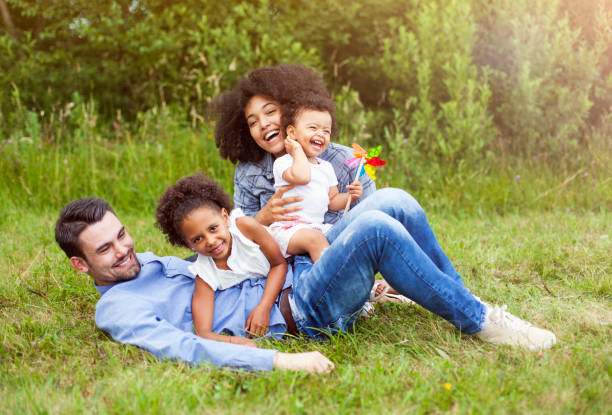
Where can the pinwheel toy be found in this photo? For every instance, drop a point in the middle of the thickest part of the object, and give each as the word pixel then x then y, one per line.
pixel 368 159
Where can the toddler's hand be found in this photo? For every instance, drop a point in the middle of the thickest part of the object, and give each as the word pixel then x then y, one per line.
pixel 355 189
pixel 292 147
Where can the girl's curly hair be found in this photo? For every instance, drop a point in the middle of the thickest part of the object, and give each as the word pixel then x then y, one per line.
pixel 182 198
pixel 280 83
pixel 306 100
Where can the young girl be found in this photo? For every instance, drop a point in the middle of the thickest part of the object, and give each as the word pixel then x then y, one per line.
pixel 231 248
pixel 308 123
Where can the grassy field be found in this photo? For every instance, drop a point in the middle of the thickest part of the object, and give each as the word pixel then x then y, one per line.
pixel 552 268
pixel 533 237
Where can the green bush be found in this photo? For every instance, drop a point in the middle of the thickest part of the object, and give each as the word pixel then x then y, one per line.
pixel 444 98
pixel 543 75
pixel 456 79
pixel 134 55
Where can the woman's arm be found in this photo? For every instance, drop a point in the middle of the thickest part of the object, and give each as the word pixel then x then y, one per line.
pixel 338 200
pixel 258 322
pixel 202 308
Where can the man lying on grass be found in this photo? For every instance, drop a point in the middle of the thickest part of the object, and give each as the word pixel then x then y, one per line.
pixel 146 299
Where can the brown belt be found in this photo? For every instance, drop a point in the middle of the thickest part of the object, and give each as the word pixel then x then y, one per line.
pixel 285 310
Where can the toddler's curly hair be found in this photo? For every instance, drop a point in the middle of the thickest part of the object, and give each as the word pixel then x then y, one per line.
pixel 306 100
pixel 179 200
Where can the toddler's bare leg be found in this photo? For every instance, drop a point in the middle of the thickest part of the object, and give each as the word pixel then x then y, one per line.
pixel 308 240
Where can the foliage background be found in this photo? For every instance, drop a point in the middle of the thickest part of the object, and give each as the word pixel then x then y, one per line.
pixel 456 91
pixel 495 114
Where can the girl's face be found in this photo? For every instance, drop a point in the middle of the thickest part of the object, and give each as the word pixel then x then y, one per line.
pixel 206 230
pixel 312 129
pixel 263 117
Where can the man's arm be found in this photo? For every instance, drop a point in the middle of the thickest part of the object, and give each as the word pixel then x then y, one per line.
pixel 134 322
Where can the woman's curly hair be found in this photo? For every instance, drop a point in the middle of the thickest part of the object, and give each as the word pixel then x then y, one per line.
pixel 280 83
pixel 182 198
pixel 306 100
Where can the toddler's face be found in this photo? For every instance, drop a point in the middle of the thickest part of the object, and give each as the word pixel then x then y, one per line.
pixel 206 230
pixel 312 130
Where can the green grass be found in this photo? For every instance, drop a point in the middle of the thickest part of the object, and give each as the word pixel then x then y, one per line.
pixel 540 244
pixel 552 268
pixel 46 163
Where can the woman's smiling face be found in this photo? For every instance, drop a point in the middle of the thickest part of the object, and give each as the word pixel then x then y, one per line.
pixel 263 116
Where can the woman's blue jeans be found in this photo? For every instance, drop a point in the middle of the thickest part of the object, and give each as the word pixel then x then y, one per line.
pixel 387 233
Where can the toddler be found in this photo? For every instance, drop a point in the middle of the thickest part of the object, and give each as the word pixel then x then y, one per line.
pixel 308 123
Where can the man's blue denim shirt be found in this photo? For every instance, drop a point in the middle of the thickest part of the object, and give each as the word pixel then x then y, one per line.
pixel 254 182
pixel 153 311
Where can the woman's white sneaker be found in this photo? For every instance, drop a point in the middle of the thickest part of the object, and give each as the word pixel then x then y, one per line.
pixel 501 327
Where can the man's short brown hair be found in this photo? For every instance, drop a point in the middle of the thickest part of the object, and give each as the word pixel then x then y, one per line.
pixel 74 218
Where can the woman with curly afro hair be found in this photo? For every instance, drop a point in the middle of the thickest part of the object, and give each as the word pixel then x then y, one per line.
pixel 387 232
pixel 249 132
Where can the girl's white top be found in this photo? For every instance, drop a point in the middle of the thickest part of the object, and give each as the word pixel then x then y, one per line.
pixel 246 261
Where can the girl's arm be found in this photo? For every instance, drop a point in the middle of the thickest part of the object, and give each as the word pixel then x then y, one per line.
pixel 338 200
pixel 202 307
pixel 258 322
pixel 299 172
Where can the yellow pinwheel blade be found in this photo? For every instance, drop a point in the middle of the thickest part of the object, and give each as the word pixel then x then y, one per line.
pixel 370 170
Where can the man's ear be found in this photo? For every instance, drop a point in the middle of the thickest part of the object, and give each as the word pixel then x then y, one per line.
pixel 79 263
pixel 290 131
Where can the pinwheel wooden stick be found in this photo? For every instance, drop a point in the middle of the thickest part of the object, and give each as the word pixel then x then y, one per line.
pixel 368 159
pixel 348 201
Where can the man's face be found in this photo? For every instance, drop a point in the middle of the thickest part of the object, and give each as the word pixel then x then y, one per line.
pixel 109 252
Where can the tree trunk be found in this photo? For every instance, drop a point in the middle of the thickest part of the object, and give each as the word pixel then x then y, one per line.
pixel 6 19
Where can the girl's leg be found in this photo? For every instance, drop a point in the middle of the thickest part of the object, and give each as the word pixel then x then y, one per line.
pixel 404 208
pixel 328 294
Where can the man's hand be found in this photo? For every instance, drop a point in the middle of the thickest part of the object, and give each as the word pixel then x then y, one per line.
pixel 258 323
pixel 311 362
pixel 275 210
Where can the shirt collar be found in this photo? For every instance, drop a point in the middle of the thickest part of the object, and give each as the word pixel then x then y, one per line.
pixel 171 266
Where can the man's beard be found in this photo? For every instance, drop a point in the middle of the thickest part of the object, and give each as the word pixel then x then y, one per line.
pixel 122 275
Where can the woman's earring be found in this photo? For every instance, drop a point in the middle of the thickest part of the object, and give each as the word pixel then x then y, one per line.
pixel 193 249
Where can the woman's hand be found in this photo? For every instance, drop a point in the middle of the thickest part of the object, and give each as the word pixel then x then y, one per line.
pixel 355 189
pixel 258 323
pixel 276 211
